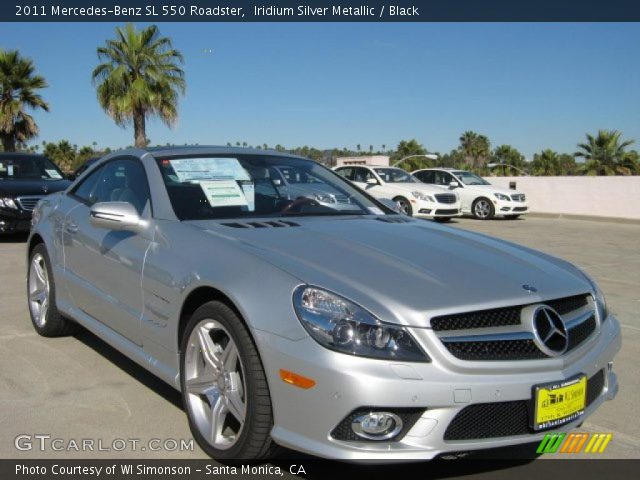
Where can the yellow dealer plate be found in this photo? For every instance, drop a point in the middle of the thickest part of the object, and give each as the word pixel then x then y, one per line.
pixel 559 403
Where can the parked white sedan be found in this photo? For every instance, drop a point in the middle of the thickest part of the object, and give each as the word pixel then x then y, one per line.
pixel 477 196
pixel 411 196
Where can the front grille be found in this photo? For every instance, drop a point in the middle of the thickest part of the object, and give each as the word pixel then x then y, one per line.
pixel 517 343
pixel 498 317
pixel 495 350
pixel 505 419
pixel 446 211
pixel 518 197
pixel 580 333
pixel 446 197
pixel 409 417
pixel 28 203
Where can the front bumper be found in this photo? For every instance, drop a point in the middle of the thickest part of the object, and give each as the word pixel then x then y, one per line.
pixel 14 221
pixel 304 419
pixel 435 209
pixel 503 208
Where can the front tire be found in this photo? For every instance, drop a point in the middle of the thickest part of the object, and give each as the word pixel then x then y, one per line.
pixel 41 296
pixel 483 209
pixel 404 206
pixel 224 387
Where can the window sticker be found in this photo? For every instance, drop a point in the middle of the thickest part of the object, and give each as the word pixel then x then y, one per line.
pixel 223 193
pixel 2 167
pixel 10 170
pixel 194 169
pixel 53 173
pixel 248 189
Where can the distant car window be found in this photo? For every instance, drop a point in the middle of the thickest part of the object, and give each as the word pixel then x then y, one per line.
pixel 425 176
pixel 345 172
pixel 468 178
pixel 362 175
pixel 442 178
pixel 395 175
pixel 25 167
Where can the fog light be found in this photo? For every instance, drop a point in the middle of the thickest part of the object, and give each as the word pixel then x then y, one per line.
pixel 377 425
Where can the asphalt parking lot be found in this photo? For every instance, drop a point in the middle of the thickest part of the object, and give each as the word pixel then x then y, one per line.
pixel 78 387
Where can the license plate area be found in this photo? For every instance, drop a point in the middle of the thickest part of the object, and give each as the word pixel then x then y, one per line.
pixel 558 403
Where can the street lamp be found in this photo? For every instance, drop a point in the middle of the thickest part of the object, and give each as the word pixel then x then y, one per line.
pixel 430 156
pixel 503 165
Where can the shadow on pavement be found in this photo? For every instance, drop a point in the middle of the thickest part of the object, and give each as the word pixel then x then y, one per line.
pixel 130 367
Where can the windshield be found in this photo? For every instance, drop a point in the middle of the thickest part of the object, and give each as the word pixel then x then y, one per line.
pixel 40 168
pixel 395 175
pixel 235 186
pixel 469 178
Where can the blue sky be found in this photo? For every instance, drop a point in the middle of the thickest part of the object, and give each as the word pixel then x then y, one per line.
pixel 530 85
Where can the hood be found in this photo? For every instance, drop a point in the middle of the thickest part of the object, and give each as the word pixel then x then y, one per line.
pixel 407 272
pixel 17 187
pixel 420 187
pixel 493 189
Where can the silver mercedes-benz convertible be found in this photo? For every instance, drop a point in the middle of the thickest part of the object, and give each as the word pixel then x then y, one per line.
pixel 349 333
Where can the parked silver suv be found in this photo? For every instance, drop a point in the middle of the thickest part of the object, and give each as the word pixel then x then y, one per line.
pixel 356 334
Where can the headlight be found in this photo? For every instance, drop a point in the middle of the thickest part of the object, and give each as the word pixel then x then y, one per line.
pixel 422 196
pixel 501 196
pixel 340 325
pixel 325 198
pixel 8 203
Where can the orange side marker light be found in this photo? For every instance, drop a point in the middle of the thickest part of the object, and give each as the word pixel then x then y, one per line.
pixel 296 380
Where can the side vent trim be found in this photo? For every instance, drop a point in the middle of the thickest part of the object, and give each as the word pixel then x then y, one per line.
pixel 268 224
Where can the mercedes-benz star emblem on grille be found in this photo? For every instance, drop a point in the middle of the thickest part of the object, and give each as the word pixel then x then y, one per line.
pixel 549 331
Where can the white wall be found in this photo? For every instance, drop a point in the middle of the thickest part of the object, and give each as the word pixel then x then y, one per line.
pixel 363 160
pixel 596 196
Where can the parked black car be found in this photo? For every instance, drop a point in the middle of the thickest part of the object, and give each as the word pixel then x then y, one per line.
pixel 24 179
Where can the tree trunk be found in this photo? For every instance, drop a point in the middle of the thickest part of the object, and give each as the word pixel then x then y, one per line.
pixel 139 129
pixel 8 143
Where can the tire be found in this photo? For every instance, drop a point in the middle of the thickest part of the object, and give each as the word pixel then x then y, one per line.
pixel 404 205
pixel 41 297
pixel 483 209
pixel 237 389
pixel 511 217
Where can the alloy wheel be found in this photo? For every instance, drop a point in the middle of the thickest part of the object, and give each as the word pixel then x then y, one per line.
pixel 215 384
pixel 403 206
pixel 482 209
pixel 38 289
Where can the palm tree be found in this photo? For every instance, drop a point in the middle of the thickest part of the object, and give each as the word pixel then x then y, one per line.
pixel 18 92
pixel 139 77
pixel 475 148
pixel 546 162
pixel 605 154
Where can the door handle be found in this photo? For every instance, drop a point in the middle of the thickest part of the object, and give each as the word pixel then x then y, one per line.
pixel 71 227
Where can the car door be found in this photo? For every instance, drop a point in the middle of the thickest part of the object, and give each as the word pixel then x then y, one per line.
pixel 425 176
pixel 104 267
pixel 361 176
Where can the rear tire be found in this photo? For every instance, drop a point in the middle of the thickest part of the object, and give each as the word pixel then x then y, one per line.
pixel 41 297
pixel 224 387
pixel 483 209
pixel 404 206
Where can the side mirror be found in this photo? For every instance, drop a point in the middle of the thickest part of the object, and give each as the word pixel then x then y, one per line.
pixel 454 184
pixel 372 181
pixel 116 216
